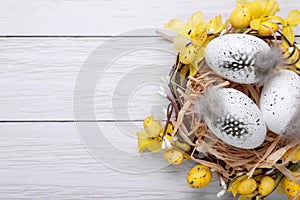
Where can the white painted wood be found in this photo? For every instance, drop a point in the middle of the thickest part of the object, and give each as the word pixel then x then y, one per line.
pixel 37 82
pixel 49 161
pixel 38 77
pixel 102 17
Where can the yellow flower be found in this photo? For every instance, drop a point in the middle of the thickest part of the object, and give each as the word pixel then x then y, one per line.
pixel 255 13
pixel 152 127
pixel 192 39
pixel 153 144
pixel 291 51
pixel 195 28
pixel 215 25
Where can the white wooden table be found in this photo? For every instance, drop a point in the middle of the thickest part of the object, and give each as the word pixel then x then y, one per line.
pixel 62 139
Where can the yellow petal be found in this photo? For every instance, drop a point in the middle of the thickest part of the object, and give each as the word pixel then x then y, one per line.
pixel 143 141
pixel 271 8
pixel 293 18
pixel 195 20
pixel 278 19
pixel 199 38
pixel 188 54
pixel 215 25
pixel 152 127
pixel 180 42
pixel 241 2
pixel 177 26
pixel 255 8
pixel 169 132
pixel 154 145
pixel 184 73
pixel 289 34
pixel 255 24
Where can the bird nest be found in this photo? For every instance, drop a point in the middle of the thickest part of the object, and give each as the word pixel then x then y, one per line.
pixel 207 149
pixel 203 52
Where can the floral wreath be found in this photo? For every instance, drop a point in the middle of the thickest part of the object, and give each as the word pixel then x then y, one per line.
pixel 234 107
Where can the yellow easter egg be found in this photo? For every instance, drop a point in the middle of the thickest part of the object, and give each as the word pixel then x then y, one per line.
pixel 295 156
pixel 188 54
pixel 152 127
pixel 199 176
pixel 240 17
pixel 267 28
pixel 291 188
pixel 267 185
pixel 173 156
pixel 247 186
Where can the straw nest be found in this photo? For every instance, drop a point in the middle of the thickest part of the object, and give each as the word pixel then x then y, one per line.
pixel 207 149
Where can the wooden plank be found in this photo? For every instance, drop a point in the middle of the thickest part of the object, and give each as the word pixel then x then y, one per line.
pixel 102 17
pixel 50 161
pixel 118 76
pixel 38 77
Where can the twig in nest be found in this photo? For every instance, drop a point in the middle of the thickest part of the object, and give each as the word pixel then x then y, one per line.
pixel 165 36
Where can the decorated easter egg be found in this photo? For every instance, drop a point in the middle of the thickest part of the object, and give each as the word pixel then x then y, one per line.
pixel 279 101
pixel 234 118
pixel 238 57
pixel 199 176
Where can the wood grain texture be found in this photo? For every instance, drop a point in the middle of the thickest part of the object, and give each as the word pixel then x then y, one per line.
pixel 38 77
pixel 99 17
pixel 49 161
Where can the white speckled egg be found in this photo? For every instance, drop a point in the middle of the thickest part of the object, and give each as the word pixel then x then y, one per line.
pixel 241 123
pixel 233 56
pixel 279 100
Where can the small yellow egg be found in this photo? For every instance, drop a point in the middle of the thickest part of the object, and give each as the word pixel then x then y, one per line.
pixel 291 188
pixel 188 55
pixel 295 157
pixel 247 186
pixel 267 185
pixel 267 28
pixel 173 156
pixel 199 176
pixel 152 127
pixel 240 17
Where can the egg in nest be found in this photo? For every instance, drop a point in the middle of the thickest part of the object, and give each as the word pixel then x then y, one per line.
pixel 233 117
pixel 279 102
pixel 242 58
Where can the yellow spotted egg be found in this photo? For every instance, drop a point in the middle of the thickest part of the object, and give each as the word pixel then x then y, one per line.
pixel 247 186
pixel 294 157
pixel 291 188
pixel 199 176
pixel 267 185
pixel 173 156
pixel 240 17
